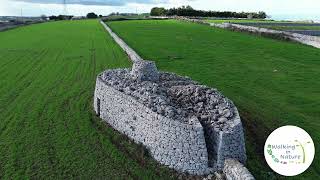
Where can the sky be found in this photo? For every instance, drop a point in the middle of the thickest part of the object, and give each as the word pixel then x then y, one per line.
pixel 277 9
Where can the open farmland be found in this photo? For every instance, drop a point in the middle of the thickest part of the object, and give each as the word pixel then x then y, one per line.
pixel 272 82
pixel 47 126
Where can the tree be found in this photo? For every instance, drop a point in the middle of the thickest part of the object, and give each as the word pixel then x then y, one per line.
pixel 53 18
pixel 60 17
pixel 43 17
pixel 262 15
pixel 156 11
pixel 189 11
pixel 92 15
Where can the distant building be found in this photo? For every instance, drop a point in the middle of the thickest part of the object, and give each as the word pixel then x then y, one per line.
pixel 78 17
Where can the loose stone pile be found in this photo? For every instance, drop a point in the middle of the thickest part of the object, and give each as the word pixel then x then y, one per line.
pixel 175 97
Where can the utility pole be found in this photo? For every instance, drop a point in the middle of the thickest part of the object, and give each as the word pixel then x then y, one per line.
pixel 64 8
pixel 21 19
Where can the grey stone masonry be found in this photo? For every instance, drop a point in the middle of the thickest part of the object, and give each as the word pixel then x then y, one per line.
pixel 145 71
pixel 130 52
pixel 234 170
pixel 173 143
pixel 300 38
pixel 187 126
pixel 303 39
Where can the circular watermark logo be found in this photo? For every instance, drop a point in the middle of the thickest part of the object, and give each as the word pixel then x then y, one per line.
pixel 289 150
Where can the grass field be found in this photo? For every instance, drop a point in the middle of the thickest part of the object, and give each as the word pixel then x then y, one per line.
pixel 272 82
pixel 47 126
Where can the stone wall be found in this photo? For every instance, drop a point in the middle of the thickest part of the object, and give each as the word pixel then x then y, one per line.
pixel 233 170
pixel 178 145
pixel 189 127
pixel 145 71
pixel 230 144
pixel 300 38
pixel 130 52
pixel 304 39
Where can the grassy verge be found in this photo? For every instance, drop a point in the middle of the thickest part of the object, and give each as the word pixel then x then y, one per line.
pixel 273 83
pixel 47 127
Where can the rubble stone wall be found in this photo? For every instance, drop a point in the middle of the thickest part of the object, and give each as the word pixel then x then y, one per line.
pixel 300 38
pixel 233 170
pixel 130 52
pixel 227 144
pixel 303 39
pixel 175 144
pixel 186 126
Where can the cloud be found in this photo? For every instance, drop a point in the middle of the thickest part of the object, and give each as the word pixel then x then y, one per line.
pixel 96 2
pixel 297 9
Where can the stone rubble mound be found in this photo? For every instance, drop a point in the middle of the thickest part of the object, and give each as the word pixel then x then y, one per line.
pixel 175 97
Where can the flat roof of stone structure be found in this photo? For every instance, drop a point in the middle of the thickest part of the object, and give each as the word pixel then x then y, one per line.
pixel 176 97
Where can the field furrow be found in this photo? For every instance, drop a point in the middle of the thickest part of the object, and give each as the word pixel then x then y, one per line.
pixel 47 126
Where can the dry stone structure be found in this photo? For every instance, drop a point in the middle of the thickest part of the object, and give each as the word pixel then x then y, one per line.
pixel 296 37
pixel 186 126
pixel 234 170
pixel 300 38
pixel 131 53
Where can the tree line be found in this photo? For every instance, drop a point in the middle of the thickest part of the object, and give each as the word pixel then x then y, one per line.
pixel 189 11
pixel 68 17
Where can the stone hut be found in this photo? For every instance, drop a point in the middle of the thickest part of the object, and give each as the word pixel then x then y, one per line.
pixel 186 126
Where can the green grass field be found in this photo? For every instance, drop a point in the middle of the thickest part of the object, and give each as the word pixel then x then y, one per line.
pixel 273 83
pixel 47 126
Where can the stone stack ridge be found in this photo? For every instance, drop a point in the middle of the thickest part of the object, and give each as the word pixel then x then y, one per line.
pixel 300 38
pixel 131 53
pixel 187 126
pixel 234 170
pixel 296 37
pixel 144 71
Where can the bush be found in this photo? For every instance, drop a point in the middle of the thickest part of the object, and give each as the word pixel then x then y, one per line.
pixel 92 15
pixel 158 11
pixel 60 17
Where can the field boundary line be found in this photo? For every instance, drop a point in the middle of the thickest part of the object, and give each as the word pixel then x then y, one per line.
pixel 133 56
pixel 265 32
pixel 300 38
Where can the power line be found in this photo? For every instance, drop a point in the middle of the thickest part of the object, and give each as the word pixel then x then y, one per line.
pixel 65 12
